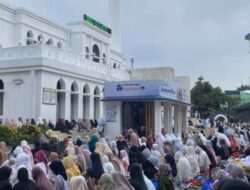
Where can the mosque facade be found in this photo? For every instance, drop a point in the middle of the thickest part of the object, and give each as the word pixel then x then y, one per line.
pixel 52 71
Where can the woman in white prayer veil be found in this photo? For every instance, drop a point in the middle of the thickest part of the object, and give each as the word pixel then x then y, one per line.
pixel 108 167
pixel 18 150
pixel 156 152
pixel 190 142
pixel 159 140
pixel 177 156
pixel 203 159
pixel 192 158
pixel 183 170
pixel 22 161
pixel 203 138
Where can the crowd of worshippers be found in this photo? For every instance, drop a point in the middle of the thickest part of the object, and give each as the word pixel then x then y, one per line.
pixel 127 162
pixel 62 125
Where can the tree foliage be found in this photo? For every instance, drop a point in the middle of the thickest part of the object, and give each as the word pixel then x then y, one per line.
pixel 205 98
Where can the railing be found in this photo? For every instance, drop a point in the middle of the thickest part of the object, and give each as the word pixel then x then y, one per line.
pixel 60 55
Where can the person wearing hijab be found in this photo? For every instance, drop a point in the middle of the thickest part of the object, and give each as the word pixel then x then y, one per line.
pixel 42 159
pixel 61 177
pixel 149 169
pixel 107 165
pixel 233 184
pixel 229 168
pixel 78 183
pixel 3 152
pixel 97 164
pixel 60 126
pixel 11 163
pixel 80 159
pixel 117 163
pixel 5 173
pixel 183 168
pixel 113 147
pixel 121 182
pixel 107 182
pixel 53 156
pixel 99 148
pixel 22 160
pixel 42 182
pixel 133 138
pixel 170 160
pixel 224 150
pixel 91 179
pixel 87 154
pixel 24 183
pixel 125 160
pixel 92 142
pixel 137 179
pixel 238 173
pixel 165 180
pixel 18 150
pixel 121 143
pixel 157 151
pixel 71 168
pixel 203 159
pixel 96 133
pixel 193 160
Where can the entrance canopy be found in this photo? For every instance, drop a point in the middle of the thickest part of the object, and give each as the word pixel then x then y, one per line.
pixel 145 90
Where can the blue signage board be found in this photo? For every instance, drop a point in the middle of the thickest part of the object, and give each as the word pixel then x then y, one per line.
pixel 145 90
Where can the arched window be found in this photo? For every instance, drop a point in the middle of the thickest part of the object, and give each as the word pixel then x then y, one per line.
pixel 97 91
pixel 104 59
pixel 61 96
pixel 30 34
pixel 1 85
pixel 29 39
pixel 59 45
pixel 74 101
pixel 49 42
pixel 40 38
pixel 96 52
pixel 74 87
pixel 60 85
pixel 86 89
pixel 87 52
pixel 114 65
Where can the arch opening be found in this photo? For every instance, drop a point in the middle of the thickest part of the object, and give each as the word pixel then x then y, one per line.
pixel 96 53
pixel 61 97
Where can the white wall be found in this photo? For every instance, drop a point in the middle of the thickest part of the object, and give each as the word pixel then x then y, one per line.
pixel 17 98
pixel 113 129
pixel 161 73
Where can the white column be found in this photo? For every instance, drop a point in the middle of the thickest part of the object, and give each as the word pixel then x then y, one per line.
pixel 180 118
pixel 91 107
pixel 168 117
pixel 67 105
pixel 157 117
pixel 80 107
pixel 176 119
pixel 33 94
pixel 184 120
pixel 101 109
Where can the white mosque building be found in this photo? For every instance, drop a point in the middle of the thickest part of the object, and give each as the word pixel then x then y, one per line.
pixel 51 71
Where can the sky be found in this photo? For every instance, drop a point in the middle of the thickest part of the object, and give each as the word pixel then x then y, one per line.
pixel 195 37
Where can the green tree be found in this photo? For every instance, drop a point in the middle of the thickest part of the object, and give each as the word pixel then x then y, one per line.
pixel 205 98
